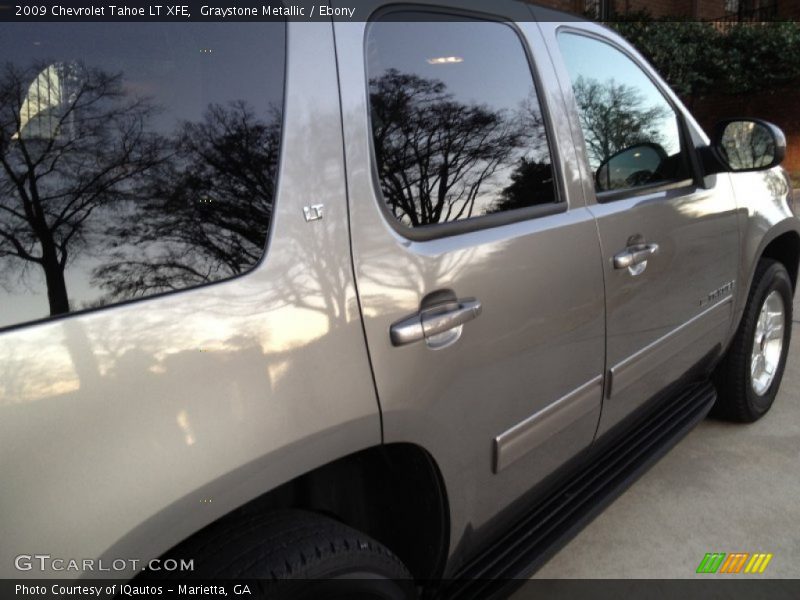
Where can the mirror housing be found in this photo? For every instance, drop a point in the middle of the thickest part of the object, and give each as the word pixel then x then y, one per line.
pixel 742 146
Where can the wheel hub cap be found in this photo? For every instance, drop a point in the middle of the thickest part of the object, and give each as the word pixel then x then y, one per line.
pixel 767 343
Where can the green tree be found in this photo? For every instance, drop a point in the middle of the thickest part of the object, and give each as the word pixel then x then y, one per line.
pixel 697 58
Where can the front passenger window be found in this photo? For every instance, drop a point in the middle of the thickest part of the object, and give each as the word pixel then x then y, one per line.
pixel 631 132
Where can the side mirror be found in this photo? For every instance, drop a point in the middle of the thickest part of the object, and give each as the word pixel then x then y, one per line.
pixel 742 145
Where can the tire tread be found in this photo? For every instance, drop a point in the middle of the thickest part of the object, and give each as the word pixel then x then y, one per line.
pixel 734 401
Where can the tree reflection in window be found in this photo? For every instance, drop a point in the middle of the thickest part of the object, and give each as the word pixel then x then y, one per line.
pixel 615 116
pixel 631 132
pixel 206 210
pixel 122 174
pixel 65 158
pixel 441 155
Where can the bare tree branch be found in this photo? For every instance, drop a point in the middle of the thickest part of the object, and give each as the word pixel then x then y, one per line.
pixel 72 142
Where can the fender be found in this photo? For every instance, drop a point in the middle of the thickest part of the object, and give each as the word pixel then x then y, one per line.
pixel 205 504
pixel 789 226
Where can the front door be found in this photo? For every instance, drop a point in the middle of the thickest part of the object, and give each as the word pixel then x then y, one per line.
pixel 477 263
pixel 670 239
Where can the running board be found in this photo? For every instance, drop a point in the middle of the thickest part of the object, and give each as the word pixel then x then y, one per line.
pixel 558 517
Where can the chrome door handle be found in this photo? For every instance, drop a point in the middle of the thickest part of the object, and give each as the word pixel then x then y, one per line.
pixel 433 323
pixel 635 256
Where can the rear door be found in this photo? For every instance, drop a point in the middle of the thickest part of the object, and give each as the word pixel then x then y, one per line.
pixel 477 263
pixel 670 238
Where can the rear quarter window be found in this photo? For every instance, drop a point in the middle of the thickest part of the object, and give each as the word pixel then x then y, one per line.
pixel 135 159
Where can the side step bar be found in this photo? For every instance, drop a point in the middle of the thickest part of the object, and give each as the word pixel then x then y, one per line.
pixel 557 518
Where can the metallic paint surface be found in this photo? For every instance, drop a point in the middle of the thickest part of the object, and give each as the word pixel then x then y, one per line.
pixel 526 436
pixel 654 356
pixel 697 230
pixel 540 334
pixel 124 430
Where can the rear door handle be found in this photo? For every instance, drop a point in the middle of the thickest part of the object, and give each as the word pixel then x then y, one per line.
pixel 439 325
pixel 634 258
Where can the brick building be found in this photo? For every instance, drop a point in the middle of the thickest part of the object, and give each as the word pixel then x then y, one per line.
pixel 723 10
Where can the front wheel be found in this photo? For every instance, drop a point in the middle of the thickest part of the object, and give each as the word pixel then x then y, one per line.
pixel 750 374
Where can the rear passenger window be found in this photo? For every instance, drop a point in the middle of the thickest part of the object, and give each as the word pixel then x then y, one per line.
pixel 134 159
pixel 457 126
pixel 632 133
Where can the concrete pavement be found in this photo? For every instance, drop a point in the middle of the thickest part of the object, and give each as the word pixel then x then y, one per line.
pixel 723 488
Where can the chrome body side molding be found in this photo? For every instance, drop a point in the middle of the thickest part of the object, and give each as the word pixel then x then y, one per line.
pixel 527 435
pixel 638 365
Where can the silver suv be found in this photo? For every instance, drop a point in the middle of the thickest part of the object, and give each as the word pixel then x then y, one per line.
pixel 410 296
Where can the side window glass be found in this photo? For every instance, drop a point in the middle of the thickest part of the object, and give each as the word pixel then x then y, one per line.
pixel 134 159
pixel 457 126
pixel 632 133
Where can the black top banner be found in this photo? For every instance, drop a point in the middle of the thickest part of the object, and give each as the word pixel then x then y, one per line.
pixel 133 11
pixel 237 11
pixel 266 10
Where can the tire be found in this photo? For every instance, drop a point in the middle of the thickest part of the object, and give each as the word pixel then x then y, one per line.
pixel 295 554
pixel 743 396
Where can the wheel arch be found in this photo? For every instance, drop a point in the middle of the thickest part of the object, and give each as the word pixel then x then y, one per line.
pixel 785 248
pixel 781 243
pixel 393 492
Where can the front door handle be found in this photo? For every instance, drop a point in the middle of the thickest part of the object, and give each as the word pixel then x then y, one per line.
pixel 438 325
pixel 634 258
